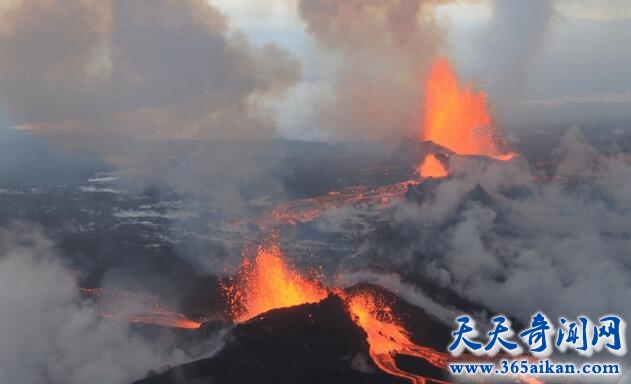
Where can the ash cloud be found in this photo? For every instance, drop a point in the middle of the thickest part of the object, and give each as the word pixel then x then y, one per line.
pixel 510 41
pixel 383 49
pixel 50 334
pixel 146 84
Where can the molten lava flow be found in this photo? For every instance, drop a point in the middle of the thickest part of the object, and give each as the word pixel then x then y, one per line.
pixel 387 338
pixel 431 167
pixel 158 316
pixel 268 283
pixel 458 118
pixel 148 310
pixel 307 209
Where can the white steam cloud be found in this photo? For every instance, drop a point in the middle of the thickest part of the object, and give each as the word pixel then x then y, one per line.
pixel 499 237
pixel 49 335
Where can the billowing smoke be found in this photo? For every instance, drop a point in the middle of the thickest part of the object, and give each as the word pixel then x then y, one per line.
pixel 383 49
pixel 507 49
pixel 500 236
pixel 50 334
pixel 146 84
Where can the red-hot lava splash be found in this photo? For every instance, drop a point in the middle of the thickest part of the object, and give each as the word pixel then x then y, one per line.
pixel 267 283
pixel 458 118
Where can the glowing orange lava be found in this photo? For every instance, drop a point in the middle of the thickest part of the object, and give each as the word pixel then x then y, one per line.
pixel 458 118
pixel 158 316
pixel 431 167
pixel 268 283
pixel 148 310
pixel 307 209
pixel 387 338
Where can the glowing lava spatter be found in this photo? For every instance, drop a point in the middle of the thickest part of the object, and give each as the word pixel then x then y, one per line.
pixel 431 167
pixel 267 283
pixel 458 118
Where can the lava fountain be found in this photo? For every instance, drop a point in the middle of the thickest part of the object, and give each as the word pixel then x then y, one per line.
pixel 458 117
pixel 266 283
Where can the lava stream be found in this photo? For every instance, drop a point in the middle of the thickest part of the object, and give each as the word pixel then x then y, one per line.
pixel 158 316
pixel 387 338
pixel 307 209
pixel 149 312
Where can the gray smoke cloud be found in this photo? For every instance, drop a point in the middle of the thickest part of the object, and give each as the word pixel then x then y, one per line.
pixel 509 43
pixel 149 85
pixel 172 66
pixel 383 49
pixel 50 334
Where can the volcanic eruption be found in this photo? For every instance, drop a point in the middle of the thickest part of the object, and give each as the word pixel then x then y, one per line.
pixel 456 120
pixel 267 294
pixel 267 283
pixel 309 191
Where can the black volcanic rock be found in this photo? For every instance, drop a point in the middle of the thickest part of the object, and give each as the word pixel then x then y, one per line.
pixel 422 191
pixel 312 344
pixel 309 344
pixel 412 151
pixel 424 329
